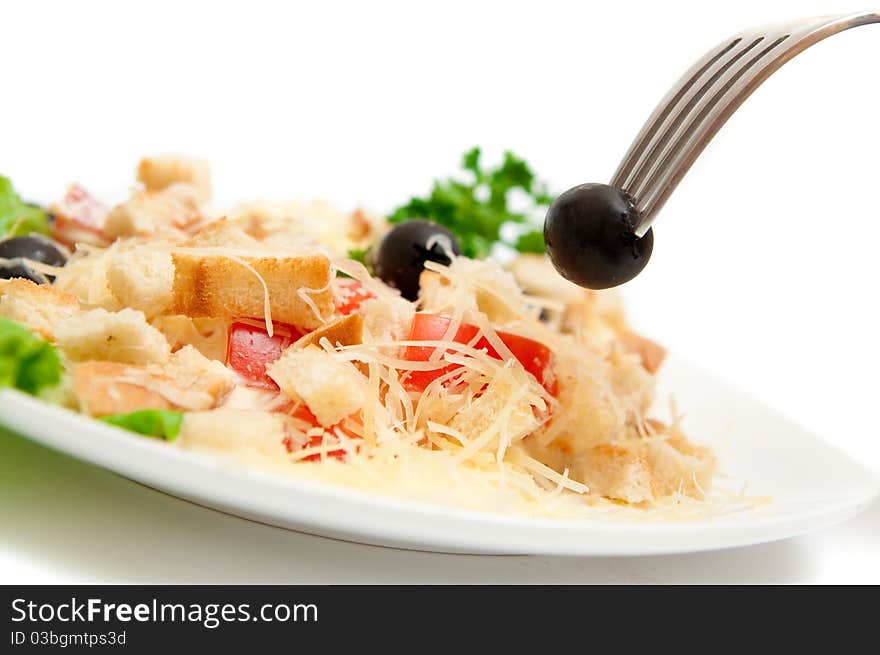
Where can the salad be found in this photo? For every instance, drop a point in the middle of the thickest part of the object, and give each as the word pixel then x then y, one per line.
pixel 432 353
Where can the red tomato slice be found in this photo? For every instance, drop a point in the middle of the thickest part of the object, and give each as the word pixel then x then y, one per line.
pixel 304 413
pixel 350 295
pixel 535 357
pixel 249 348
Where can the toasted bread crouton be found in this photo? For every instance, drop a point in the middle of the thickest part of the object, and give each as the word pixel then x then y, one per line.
pixel 299 223
pixel 101 391
pixel 38 306
pixel 345 331
pixel 85 276
pixel 123 336
pixel 647 469
pixel 536 276
pixel 189 370
pixel 635 468
pixel 148 213
pixel 388 319
pixel 331 388
pixel 207 335
pixel 679 466
pixel 434 291
pixel 632 384
pixel 590 410
pixel 494 290
pixel 158 173
pixel 142 278
pixel 228 286
pixel 597 313
pixel 617 472
pixel 483 413
pixel 652 354
pixel 221 233
pixel 234 430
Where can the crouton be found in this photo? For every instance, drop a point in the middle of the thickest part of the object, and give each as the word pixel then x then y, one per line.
pixel 37 306
pixel 295 224
pixel 85 276
pixel 158 173
pixel 494 290
pixel 590 411
pixel 597 313
pixel 189 370
pixel 345 331
pixel 235 430
pixel 434 291
pixel 207 335
pixel 632 384
pixel 388 319
pixel 536 276
pixel 142 278
pixel 101 391
pixel 651 354
pixel 480 415
pixel 225 287
pixel 363 226
pixel 331 388
pixel 148 213
pixel 221 233
pixel 679 466
pixel 617 472
pixel 123 336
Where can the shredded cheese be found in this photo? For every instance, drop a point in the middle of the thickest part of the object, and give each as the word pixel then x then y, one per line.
pixel 482 434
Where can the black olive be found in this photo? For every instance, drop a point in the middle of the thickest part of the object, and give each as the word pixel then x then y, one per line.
pixel 38 248
pixel 9 271
pixel 590 236
pixel 33 247
pixel 399 258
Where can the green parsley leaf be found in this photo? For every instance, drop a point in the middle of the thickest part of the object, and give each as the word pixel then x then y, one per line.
pixel 471 161
pixel 531 242
pixel 476 211
pixel 159 423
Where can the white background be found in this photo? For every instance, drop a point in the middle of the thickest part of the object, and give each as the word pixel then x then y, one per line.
pixel 765 261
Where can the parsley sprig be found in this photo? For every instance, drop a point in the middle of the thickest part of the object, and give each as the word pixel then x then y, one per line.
pixel 476 210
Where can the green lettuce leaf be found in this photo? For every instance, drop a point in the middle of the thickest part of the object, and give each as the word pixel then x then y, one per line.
pixel 17 218
pixel 27 362
pixel 150 422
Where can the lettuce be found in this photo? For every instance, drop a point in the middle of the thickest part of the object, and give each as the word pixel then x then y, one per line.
pixel 26 361
pixel 150 422
pixel 17 218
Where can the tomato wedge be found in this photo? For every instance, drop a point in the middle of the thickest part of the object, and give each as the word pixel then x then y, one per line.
pixel 303 413
pixel 249 348
pixel 535 357
pixel 350 295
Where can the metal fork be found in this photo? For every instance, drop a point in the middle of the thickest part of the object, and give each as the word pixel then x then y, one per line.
pixel 704 98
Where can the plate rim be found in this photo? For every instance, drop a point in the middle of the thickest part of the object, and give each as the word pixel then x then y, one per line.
pixel 475 526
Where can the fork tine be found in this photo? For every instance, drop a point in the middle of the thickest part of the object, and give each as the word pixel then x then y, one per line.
pixel 623 176
pixel 678 157
pixel 672 124
pixel 702 101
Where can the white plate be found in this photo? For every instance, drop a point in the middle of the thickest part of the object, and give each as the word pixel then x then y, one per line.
pixel 812 484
